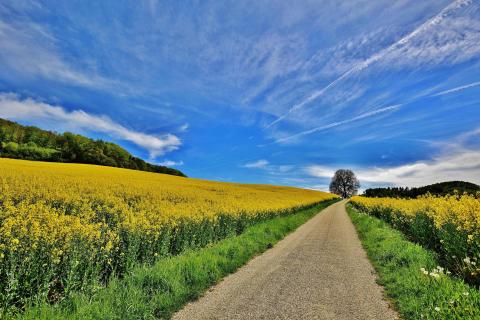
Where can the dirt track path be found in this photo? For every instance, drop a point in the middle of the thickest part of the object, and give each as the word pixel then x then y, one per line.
pixel 320 271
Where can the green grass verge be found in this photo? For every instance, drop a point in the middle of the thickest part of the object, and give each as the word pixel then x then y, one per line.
pixel 398 262
pixel 156 291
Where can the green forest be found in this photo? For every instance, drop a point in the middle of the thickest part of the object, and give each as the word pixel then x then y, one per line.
pixel 439 189
pixel 32 143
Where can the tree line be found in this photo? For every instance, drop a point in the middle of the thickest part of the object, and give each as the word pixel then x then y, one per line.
pixel 32 143
pixel 440 189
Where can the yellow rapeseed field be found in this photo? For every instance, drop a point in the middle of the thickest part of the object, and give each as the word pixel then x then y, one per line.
pixel 62 225
pixel 449 225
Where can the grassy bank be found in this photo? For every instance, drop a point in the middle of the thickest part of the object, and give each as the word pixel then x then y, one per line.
pixel 447 225
pixel 411 276
pixel 157 291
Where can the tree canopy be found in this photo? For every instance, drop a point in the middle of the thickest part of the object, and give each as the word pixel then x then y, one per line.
pixel 32 143
pixel 344 183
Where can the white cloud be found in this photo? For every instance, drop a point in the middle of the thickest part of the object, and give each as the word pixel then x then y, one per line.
pixel 184 127
pixel 259 164
pixel 463 165
pixel 375 112
pixel 31 50
pixel 269 168
pixel 452 40
pixel 457 89
pixel 339 123
pixel 320 171
pixel 459 163
pixel 317 187
pixel 444 38
pixel 170 163
pixel 12 107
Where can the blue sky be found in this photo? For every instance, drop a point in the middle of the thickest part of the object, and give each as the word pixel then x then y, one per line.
pixel 274 92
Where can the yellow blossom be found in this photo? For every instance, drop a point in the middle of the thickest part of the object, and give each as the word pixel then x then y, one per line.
pixel 82 212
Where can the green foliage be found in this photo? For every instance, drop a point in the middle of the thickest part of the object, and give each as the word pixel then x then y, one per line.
pixel 439 189
pixel 31 143
pixel 156 291
pixel 455 250
pixel 28 151
pixel 428 293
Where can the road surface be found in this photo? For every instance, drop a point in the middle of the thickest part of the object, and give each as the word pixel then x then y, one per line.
pixel 320 271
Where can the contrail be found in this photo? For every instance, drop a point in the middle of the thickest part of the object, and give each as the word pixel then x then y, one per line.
pixel 339 123
pixel 381 110
pixel 461 88
pixel 379 55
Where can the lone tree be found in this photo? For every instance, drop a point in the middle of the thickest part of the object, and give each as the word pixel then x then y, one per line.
pixel 344 183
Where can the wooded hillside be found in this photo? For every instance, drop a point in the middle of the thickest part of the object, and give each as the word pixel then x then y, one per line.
pixel 32 143
pixel 440 189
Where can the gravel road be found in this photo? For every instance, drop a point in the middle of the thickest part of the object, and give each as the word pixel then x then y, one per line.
pixel 320 271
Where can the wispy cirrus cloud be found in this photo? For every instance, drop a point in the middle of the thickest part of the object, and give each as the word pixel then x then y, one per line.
pixel 14 108
pixel 200 68
pixel 375 112
pixel 444 37
pixel 31 50
pixel 457 89
pixel 340 123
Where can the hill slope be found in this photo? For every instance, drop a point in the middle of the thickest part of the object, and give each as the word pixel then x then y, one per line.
pixel 440 189
pixel 32 143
